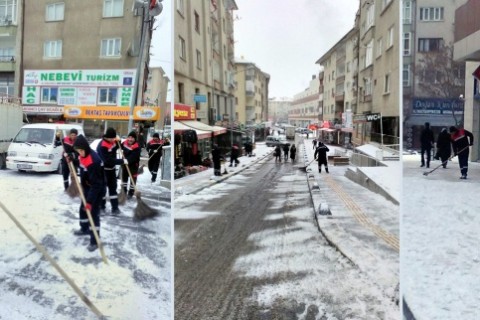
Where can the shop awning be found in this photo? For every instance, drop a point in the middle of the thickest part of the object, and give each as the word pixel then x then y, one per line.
pixel 197 125
pixel 201 134
pixel 327 129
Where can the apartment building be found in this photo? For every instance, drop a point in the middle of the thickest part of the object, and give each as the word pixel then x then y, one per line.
pixel 278 109
pixel 432 80
pixel 10 48
pixel 156 92
pixel 204 57
pixel 467 51
pixel 304 109
pixel 251 93
pixel 78 67
pixel 377 117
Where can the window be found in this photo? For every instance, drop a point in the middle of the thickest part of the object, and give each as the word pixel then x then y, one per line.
pixel 181 7
pixel 390 37
pixel 8 10
pixel 181 93
pixel 386 87
pixel 111 47
pixel 379 47
pixel 52 49
pixel 369 54
pixel 427 45
pixel 6 54
pixel 108 96
pixel 406 75
pixel 181 43
pixel 197 22
pixel 407 43
pixel 7 81
pixel 370 16
pixel 112 8
pixel 49 95
pixel 431 14
pixel 407 11
pixel 199 60
pixel 55 11
pixel 368 86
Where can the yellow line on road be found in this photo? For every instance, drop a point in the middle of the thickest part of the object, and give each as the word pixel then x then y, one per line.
pixel 358 214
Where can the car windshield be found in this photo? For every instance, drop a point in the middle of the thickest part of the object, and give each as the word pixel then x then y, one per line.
pixel 35 135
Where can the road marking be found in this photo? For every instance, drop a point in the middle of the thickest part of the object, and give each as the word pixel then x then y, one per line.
pixel 358 214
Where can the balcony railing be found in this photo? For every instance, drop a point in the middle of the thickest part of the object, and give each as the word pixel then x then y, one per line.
pixel 7 58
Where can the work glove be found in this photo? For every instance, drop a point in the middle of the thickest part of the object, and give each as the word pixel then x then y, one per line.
pixel 88 207
pixel 125 161
pixel 117 138
pixel 155 151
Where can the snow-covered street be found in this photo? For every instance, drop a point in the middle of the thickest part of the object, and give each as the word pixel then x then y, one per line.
pixel 135 284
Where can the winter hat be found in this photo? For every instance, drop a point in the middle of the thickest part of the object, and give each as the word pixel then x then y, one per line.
pixel 453 129
pixel 73 130
pixel 133 134
pixel 110 133
pixel 82 143
pixel 156 135
pixel 444 129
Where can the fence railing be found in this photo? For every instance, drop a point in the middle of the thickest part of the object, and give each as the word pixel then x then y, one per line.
pixel 361 160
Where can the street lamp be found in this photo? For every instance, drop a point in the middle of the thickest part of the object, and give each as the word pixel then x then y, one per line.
pixel 154 8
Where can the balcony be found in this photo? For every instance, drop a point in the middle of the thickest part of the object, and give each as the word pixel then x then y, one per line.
pixel 7 63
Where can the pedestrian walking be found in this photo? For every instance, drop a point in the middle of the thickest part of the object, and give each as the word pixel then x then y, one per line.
pixel 92 179
pixel 444 147
pixel 293 151
pixel 286 148
pixel 278 154
pixel 234 155
pixel 154 149
pixel 321 156
pixel 426 140
pixel 69 154
pixel 217 160
pixel 461 141
pixel 107 150
pixel 248 148
pixel 314 144
pixel 131 151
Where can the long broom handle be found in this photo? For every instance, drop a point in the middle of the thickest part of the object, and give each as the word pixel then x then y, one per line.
pixel 53 263
pixel 451 157
pixel 66 159
pixel 126 165
pixel 89 214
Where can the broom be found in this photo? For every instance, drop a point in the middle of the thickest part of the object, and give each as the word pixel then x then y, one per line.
pixel 72 189
pixel 142 211
pixel 89 214
pixel 122 196
pixel 140 170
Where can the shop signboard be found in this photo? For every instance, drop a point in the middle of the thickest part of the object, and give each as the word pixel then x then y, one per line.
pixel 140 113
pixel 184 112
pixel 437 106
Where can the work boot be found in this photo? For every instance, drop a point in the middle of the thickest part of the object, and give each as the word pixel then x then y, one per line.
pixel 92 247
pixel 116 212
pixel 81 232
pixel 422 165
pixel 463 177
pixel 326 170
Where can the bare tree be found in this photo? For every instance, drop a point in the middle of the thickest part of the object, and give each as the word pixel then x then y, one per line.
pixel 440 76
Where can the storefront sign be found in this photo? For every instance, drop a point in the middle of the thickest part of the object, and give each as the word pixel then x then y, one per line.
pixel 92 78
pixel 42 109
pixel 437 106
pixel 111 113
pixel 373 116
pixel 200 98
pixel 183 112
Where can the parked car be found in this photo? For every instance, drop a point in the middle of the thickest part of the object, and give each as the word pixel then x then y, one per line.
pixel 273 141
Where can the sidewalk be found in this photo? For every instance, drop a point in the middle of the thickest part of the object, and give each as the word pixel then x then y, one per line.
pixel 363 225
pixel 440 250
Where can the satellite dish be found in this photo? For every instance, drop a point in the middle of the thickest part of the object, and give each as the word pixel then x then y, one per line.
pixel 156 10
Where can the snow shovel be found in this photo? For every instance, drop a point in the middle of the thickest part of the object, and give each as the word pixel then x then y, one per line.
pixel 64 275
pixel 122 196
pixel 140 169
pixel 142 211
pixel 304 169
pixel 444 162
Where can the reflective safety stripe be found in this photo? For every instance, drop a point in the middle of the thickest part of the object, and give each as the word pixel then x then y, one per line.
pixel 65 180
pixel 108 169
pixel 154 172
pixel 97 228
pixel 84 220
pixel 113 197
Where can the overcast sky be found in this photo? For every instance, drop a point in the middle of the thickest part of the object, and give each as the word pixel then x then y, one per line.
pixel 284 38
pixel 161 50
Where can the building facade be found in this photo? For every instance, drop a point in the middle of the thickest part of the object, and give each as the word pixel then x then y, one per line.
pixel 204 57
pixel 156 93
pixel 278 109
pixel 304 109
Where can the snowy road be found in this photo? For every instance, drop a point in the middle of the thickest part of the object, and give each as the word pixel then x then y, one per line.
pixel 248 248
pixel 136 283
